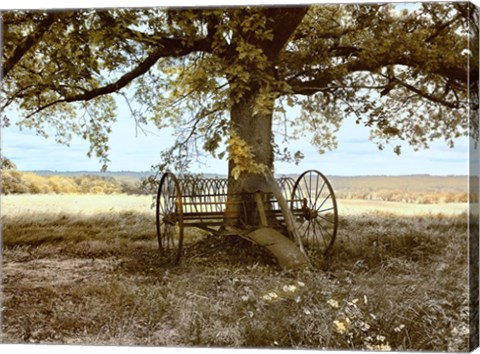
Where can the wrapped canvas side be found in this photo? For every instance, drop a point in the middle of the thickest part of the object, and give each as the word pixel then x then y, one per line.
pixel 474 177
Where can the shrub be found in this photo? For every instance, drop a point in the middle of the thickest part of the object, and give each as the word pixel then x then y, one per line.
pixel 12 182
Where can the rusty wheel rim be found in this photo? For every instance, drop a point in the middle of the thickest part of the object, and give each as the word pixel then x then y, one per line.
pixel 318 221
pixel 169 217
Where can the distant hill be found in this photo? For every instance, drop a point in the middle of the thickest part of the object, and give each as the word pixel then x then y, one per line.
pixel 128 174
pixel 116 174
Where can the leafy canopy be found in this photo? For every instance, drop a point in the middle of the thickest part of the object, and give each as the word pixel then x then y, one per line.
pixel 405 75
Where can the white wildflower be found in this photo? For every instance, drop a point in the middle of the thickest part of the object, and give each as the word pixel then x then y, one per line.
pixel 333 303
pixel 289 288
pixel 399 328
pixel 381 338
pixel 270 296
pixel 363 326
pixel 340 326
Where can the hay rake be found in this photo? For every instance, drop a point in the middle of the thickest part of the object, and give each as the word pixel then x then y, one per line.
pixel 202 203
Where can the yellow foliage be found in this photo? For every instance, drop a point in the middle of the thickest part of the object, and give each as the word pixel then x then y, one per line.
pixel 16 182
pixel 243 157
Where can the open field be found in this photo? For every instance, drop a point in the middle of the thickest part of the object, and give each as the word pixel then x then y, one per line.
pixel 86 270
pixel 88 204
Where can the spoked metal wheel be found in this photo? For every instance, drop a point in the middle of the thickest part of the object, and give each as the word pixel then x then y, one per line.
pixel 169 217
pixel 315 209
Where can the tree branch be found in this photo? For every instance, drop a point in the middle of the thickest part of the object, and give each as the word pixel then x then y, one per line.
pixel 166 48
pixel 322 79
pixel 284 22
pixel 428 96
pixel 28 42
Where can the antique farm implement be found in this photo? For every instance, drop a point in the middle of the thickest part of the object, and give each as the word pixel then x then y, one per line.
pixel 204 203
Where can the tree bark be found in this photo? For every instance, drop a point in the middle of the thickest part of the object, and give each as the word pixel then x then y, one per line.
pixel 255 128
pixel 247 193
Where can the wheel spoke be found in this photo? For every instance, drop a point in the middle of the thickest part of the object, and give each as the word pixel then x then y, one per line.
pixel 323 237
pixel 327 220
pixel 328 209
pixel 326 198
pixel 318 195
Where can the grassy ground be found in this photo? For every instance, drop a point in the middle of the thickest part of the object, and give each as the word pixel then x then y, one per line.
pixel 393 281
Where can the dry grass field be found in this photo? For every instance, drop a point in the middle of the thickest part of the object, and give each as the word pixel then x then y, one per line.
pixel 85 269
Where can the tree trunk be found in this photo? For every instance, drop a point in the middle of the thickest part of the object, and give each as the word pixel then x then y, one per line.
pixel 254 126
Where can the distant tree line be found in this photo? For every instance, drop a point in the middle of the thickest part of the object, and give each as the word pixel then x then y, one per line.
pixel 406 189
pixel 17 182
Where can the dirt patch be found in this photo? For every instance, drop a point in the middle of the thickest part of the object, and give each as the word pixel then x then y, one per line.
pixel 56 272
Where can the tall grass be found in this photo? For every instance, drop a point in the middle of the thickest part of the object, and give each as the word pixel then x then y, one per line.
pixel 390 282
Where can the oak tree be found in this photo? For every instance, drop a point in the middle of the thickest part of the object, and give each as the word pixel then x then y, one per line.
pixel 224 77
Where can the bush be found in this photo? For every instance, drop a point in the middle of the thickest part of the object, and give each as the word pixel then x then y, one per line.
pixel 16 182
pixel 12 182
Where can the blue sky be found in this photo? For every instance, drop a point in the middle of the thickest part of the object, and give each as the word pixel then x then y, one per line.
pixel 355 155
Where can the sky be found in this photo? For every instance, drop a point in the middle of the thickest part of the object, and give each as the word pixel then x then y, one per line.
pixel 138 151
pixel 134 151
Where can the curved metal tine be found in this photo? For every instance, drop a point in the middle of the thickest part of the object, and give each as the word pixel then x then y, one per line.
pixel 224 184
pixel 187 192
pixel 193 187
pixel 184 187
pixel 281 182
pixel 211 195
pixel 183 183
pixel 282 185
pixel 204 196
pixel 218 195
pixel 301 191
pixel 273 201
pixel 290 183
pixel 212 191
pixel 197 202
pixel 208 196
